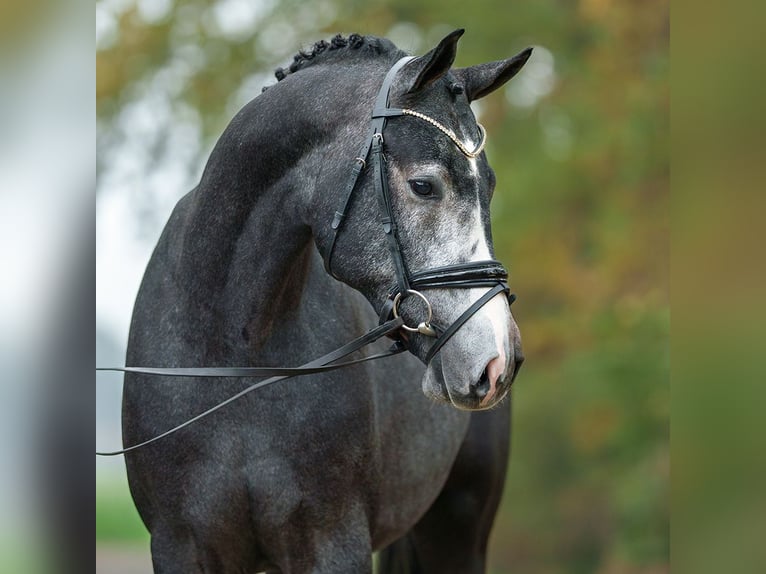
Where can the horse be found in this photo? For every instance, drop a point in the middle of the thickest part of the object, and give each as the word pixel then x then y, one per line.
pixel 316 474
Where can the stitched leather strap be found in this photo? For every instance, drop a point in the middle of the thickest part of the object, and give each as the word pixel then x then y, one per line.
pixel 387 219
pixel 473 273
pixel 381 111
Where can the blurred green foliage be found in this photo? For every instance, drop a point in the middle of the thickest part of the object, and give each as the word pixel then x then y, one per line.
pixel 116 516
pixel 580 215
pixel 719 467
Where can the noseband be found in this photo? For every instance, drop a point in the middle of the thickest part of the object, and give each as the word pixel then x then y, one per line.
pixel 468 275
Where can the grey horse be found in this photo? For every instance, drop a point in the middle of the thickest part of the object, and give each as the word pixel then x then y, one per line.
pixel 315 474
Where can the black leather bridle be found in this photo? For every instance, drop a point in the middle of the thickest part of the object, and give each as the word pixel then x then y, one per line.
pixel 468 275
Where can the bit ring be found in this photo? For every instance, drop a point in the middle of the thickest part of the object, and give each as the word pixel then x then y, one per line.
pixel 424 327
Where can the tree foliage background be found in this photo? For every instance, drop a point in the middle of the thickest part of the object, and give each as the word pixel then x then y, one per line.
pixel 579 144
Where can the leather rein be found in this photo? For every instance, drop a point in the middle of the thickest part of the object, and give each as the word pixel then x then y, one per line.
pixel 469 275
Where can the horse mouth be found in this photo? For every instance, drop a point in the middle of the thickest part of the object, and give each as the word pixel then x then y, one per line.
pixel 435 387
pixel 469 404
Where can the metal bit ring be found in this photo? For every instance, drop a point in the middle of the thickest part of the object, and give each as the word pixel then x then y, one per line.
pixel 424 327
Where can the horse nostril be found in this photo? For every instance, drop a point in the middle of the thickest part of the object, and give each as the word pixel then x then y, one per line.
pixel 480 388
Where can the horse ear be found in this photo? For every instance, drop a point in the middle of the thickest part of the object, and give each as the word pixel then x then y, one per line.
pixel 433 65
pixel 483 79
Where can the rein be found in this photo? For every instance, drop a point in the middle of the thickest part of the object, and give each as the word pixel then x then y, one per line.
pixel 469 275
pixel 321 365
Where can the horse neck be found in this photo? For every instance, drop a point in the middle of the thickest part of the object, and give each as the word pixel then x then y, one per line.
pixel 248 255
pixel 245 245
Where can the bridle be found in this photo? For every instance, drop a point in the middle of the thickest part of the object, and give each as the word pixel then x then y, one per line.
pixel 473 274
pixel 468 275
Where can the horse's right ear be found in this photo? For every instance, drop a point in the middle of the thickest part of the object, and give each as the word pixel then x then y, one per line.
pixel 480 80
pixel 433 65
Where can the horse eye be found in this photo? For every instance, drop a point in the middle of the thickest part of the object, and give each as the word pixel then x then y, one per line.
pixel 420 187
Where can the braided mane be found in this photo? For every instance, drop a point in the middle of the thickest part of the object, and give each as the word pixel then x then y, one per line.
pixel 362 44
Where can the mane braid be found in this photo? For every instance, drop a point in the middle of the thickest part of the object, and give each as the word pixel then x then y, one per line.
pixel 354 42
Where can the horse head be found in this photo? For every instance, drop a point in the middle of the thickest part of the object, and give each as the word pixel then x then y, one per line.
pixel 439 190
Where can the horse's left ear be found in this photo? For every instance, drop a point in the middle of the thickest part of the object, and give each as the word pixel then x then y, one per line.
pixel 483 79
pixel 433 65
